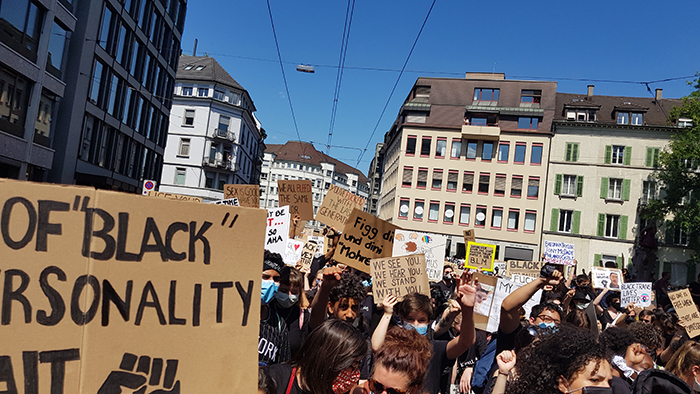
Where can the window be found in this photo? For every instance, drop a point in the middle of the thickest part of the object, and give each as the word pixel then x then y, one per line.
pixel 516 186
pixel 618 154
pixel 519 153
pixel 623 118
pixel 527 123
pixel 536 154
pixel 203 92
pixel 180 176
pixel 513 219
pixel 219 95
pixel 440 148
pixel 411 145
pixel 484 179
pixel 449 213
pixel 422 181
pixel 22 21
pixel 637 119
pixel 614 189
pixel 685 122
pixel 648 191
pixel 479 121
pixel 530 220
pixel 456 149
pixel 471 149
pixel 464 211
pixel 503 150
pixel 533 187
pixel 480 216
pixel 496 217
pixel 482 94
pixel 565 219
pixel 652 159
pixel 224 122
pixel 568 185
pixel 468 182
pixel 418 210
pixel 437 179
pixel 407 176
pixel 57 45
pixel 612 226
pixel 184 149
pixel 452 179
pixel 434 211
pixel 187 90
pixel 581 115
pixel 531 97
pixel 189 118
pixel 403 208
pixel 571 151
pixel 487 151
pixel 105 28
pixel 499 187
pixel 425 146
pixel 96 82
pixel 680 236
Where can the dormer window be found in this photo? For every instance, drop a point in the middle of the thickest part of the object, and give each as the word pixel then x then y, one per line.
pixel 199 68
pixel 631 118
pixel 581 115
pixel 188 67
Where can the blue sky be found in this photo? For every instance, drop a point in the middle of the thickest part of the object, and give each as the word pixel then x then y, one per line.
pixel 596 40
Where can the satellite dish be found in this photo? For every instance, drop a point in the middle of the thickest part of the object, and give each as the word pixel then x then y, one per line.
pixel 480 216
pixel 449 213
pixel 419 210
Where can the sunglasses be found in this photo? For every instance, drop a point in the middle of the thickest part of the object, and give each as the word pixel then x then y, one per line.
pixel 377 388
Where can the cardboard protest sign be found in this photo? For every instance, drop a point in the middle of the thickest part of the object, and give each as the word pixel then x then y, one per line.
pixel 292 252
pixel 171 196
pixel 484 298
pixel 99 282
pixel 431 245
pixel 526 268
pixel 503 288
pixel 399 275
pixel 320 242
pixel 687 311
pixel 606 278
pixel 247 195
pixel 522 279
pixel 469 236
pixel 297 194
pixel 307 254
pixel 499 267
pixel 277 230
pixel 559 252
pixel 365 237
pixel 229 201
pixel 480 256
pixel 637 292
pixel 337 207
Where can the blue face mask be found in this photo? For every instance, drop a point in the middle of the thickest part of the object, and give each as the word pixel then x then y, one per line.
pixel 422 329
pixel 269 288
pixel 547 325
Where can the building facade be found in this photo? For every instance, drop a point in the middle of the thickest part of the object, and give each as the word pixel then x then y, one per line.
pixel 376 168
pixel 471 154
pixel 214 138
pixel 300 160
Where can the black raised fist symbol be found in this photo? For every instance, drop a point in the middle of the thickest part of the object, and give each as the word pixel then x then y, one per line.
pixel 138 379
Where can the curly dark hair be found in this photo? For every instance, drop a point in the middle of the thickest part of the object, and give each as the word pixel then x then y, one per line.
pixel 616 340
pixel 563 353
pixel 407 352
pixel 646 334
pixel 350 286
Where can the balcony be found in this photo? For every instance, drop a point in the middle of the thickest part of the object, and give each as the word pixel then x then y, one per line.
pixel 219 162
pixel 487 132
pixel 223 134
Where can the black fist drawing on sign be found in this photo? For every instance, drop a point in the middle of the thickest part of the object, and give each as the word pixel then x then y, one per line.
pixel 141 375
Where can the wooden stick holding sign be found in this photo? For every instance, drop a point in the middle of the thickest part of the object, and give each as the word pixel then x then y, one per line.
pixel 297 194
pixel 399 276
pixel 687 311
pixel 480 256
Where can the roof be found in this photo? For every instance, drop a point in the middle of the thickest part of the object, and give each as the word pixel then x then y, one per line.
pixel 655 112
pixel 293 150
pixel 212 71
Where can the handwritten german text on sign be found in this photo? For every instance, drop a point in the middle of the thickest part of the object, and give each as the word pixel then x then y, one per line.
pixel 337 206
pixel 503 289
pixel 637 292
pixel 364 237
pixel 104 284
pixel 277 230
pixel 606 278
pixel 247 195
pixel 480 256
pixel 172 196
pixel 297 194
pixel 687 311
pixel 559 252
pixel 399 276
pixel 428 244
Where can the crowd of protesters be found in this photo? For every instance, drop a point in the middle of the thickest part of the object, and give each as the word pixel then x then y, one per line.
pixel 321 331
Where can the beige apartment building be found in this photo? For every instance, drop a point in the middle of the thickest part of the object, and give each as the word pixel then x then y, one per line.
pixel 471 154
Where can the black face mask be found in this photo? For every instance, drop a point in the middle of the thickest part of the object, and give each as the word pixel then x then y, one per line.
pixel 617 306
pixel 596 390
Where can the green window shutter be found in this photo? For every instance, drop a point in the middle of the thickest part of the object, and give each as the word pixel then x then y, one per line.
pixel 619 261
pixel 628 155
pixel 557 183
pixel 626 189
pixel 603 187
pixel 608 154
pixel 597 258
pixel 579 186
pixel 576 222
pixel 575 152
pixel 569 147
pixel 601 224
pixel 655 158
pixel 554 222
pixel 650 153
pixel 622 233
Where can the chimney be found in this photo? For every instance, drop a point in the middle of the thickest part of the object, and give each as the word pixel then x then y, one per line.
pixel 658 94
pixel 590 92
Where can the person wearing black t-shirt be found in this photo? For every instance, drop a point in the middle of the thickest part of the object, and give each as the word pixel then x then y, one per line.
pixel 694 288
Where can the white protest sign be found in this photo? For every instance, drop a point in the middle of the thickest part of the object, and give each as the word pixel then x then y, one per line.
pixel 638 292
pixel 292 253
pixel 229 201
pixel 521 279
pixel 559 252
pixel 606 278
pixel 320 241
pixel 503 289
pixel 431 245
pixel 277 231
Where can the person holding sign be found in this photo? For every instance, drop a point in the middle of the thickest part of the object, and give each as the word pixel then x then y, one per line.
pixel 273 339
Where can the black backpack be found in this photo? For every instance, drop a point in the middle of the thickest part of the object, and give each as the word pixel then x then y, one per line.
pixel 655 381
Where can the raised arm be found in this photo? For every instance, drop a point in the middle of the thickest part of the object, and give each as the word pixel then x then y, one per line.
pixel 448 316
pixel 598 309
pixel 510 318
pixel 572 275
pixel 319 306
pixel 466 294
pixel 383 325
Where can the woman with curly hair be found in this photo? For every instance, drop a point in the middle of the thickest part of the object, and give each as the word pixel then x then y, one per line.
pixel 564 361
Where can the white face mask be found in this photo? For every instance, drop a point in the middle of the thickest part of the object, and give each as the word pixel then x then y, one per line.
pixel 286 300
pixel 696 385
pixel 582 306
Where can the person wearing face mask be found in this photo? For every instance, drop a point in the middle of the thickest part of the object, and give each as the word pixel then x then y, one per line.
pixel 442 291
pixel 286 310
pixel 273 339
pixel 685 363
pixel 609 315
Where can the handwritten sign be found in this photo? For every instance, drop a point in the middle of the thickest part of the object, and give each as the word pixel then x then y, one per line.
pixel 469 236
pixel 429 244
pixel 687 311
pixel 365 237
pixel 637 292
pixel 297 194
pixel 399 276
pixel 559 252
pixel 320 242
pixel 307 254
pixel 606 278
pixel 526 268
pixel 480 256
pixel 522 279
pixel 277 230
pixel 337 207
pixel 247 195
pixel 503 289
pixel 292 253
pixel 104 287
pixel 229 201
pixel 172 196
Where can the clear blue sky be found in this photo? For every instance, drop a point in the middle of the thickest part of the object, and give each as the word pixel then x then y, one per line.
pixel 598 40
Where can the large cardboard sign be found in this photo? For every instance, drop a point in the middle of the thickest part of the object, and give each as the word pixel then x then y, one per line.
pixel 277 230
pixel 247 195
pixel 104 290
pixel 297 194
pixel 481 320
pixel 171 196
pixel 637 292
pixel 337 207
pixel 503 289
pixel 431 245
pixel 292 253
pixel 526 268
pixel 399 275
pixel 480 256
pixel 559 252
pixel 365 237
pixel 307 254
pixel 686 310
pixel 606 278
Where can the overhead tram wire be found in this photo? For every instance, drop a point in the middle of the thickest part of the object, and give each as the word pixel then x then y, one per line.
pixel 397 81
pixel 284 77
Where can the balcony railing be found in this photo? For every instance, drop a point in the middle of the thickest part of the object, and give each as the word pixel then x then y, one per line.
pixel 223 134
